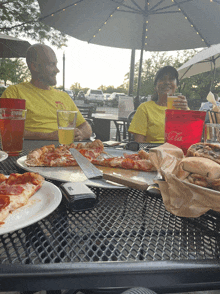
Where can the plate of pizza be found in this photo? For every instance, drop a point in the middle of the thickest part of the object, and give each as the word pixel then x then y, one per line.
pixel 57 163
pixel 3 155
pixel 24 200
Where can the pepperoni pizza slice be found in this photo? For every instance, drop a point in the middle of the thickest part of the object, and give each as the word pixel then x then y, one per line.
pixel 136 161
pixel 15 191
pixel 61 156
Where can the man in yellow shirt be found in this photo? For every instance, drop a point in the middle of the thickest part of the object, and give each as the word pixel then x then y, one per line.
pixel 42 100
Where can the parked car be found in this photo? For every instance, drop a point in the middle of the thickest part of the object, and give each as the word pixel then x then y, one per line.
pixel 94 96
pixel 81 95
pixel 70 93
pixel 114 98
pixel 106 97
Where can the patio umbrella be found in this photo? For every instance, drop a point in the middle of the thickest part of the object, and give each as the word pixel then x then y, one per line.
pixel 12 47
pixel 152 25
pixel 204 61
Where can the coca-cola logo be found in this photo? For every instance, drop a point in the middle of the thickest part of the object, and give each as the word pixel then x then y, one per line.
pixel 174 136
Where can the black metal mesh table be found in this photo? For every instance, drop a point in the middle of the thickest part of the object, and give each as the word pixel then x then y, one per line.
pixel 127 240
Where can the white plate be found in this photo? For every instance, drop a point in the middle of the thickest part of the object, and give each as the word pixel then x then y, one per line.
pixel 75 174
pixel 3 155
pixel 40 205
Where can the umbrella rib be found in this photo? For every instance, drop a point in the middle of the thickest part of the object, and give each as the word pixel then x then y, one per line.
pixel 116 9
pixel 9 48
pixel 161 1
pixel 169 6
pixel 103 23
pixel 129 7
pixel 59 10
pixel 135 3
pixel 191 22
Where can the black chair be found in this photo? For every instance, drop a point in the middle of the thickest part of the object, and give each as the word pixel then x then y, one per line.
pixel 214 117
pixel 129 119
pixel 87 112
pixel 122 127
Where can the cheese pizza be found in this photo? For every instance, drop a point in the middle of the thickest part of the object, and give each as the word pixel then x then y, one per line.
pixel 15 191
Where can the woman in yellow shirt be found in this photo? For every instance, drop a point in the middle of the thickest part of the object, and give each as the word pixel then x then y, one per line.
pixel 148 123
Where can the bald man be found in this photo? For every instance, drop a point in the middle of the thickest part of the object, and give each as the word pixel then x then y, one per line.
pixel 42 100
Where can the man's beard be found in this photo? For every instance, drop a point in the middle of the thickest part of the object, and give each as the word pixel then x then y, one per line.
pixel 50 81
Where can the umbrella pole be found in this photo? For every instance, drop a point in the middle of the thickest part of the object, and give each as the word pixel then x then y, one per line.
pixel 214 71
pixel 63 70
pixel 131 77
pixel 137 102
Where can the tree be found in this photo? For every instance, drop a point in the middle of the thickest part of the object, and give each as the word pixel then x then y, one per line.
pixel 13 70
pixel 21 18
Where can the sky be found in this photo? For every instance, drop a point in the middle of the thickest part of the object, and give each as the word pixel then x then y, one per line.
pixel 92 65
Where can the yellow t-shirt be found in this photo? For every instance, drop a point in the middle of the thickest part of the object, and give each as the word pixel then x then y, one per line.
pixel 42 106
pixel 149 121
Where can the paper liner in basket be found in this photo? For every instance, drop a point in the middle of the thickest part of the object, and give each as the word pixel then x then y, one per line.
pixel 181 198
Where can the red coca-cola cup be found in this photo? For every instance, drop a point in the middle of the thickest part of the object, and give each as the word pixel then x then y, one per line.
pixel 184 128
pixel 12 103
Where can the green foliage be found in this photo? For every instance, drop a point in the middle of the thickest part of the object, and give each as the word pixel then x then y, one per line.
pixel 21 18
pixel 111 89
pixel 13 70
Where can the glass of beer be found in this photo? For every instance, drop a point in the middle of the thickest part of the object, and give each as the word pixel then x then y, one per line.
pixel 12 122
pixel 66 121
pixel 171 99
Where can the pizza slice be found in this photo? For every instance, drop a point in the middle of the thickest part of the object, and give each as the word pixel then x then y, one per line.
pixel 135 161
pixel 61 156
pixel 15 191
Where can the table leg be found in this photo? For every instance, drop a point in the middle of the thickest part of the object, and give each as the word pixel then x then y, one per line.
pixel 118 134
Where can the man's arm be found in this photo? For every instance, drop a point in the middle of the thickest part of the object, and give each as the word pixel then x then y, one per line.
pixel 139 138
pixel 40 136
pixel 84 131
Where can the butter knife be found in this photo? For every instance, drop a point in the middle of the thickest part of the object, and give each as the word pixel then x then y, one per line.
pixel 92 173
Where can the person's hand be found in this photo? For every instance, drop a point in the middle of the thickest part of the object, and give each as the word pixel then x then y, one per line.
pixel 78 136
pixel 181 103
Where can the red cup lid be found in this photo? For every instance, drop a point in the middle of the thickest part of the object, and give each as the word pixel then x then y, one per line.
pixel 12 103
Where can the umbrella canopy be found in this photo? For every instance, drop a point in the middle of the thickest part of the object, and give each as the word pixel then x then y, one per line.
pixel 204 61
pixel 152 25
pixel 12 47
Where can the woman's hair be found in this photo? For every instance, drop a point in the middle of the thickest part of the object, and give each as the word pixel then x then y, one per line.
pixel 165 70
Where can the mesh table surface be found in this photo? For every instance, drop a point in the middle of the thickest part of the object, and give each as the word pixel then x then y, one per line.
pixel 127 228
